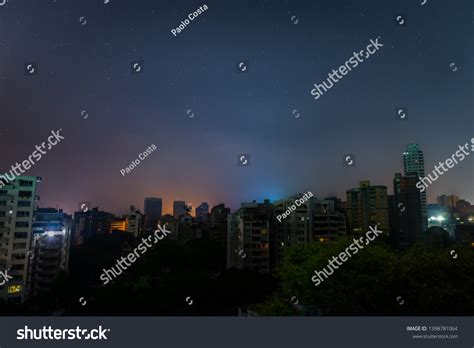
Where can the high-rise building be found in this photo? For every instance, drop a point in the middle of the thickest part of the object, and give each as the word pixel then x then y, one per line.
pixel 89 223
pixel 17 203
pixel 50 248
pixel 218 224
pixel 248 242
pixel 407 227
pixel 152 210
pixel 414 165
pixel 179 209
pixel 202 212
pixel 293 230
pixel 447 201
pixel 314 221
pixel 367 206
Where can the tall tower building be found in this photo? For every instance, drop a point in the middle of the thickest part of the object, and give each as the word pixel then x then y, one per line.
pixel 152 210
pixel 17 201
pixel 179 209
pixel 407 224
pixel 414 165
pixel 367 206
pixel 50 248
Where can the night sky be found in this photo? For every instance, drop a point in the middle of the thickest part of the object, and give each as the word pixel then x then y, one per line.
pixel 88 67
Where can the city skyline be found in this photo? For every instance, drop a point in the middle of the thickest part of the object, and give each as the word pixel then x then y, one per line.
pixel 167 204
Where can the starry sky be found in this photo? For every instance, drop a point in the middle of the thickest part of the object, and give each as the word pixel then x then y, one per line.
pixel 83 52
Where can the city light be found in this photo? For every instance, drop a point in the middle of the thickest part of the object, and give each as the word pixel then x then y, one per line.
pixel 438 218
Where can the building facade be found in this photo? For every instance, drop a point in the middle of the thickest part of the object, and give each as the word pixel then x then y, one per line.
pixel 218 224
pixel 17 203
pixel 50 248
pixel 248 241
pixel 414 165
pixel 367 206
pixel 407 224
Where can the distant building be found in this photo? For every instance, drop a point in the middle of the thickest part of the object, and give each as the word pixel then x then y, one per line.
pixel 89 223
pixel 179 209
pixel 152 210
pixel 447 201
pixel 407 223
pixel 367 206
pixel 50 248
pixel 464 209
pixel 135 221
pixel 202 212
pixel 414 165
pixel 218 224
pixel 248 241
pixel 17 203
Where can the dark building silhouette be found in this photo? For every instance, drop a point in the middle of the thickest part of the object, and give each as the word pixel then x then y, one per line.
pixel 406 216
pixel 179 209
pixel 218 224
pixel 248 241
pixel 152 210
pixel 202 212
pixel 89 223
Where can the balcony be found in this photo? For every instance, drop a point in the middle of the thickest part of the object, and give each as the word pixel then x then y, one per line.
pixel 4 240
pixel 4 197
pixel 4 229
pixel 5 219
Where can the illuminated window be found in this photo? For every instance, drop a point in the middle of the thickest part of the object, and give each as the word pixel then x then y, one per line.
pixel 12 289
